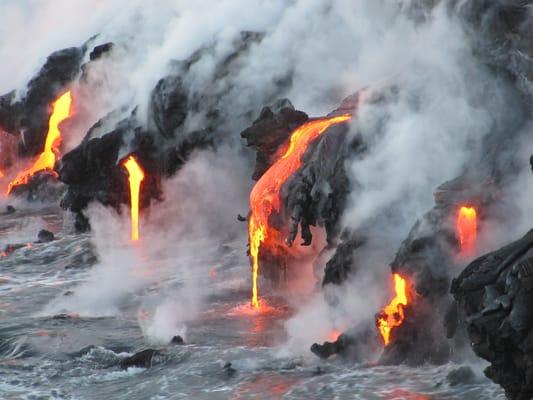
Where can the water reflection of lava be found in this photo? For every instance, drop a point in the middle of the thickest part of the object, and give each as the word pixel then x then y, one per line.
pixel 402 394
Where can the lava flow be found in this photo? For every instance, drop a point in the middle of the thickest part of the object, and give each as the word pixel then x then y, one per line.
pixel 393 315
pixel 264 198
pixel 467 230
pixel 135 177
pixel 47 159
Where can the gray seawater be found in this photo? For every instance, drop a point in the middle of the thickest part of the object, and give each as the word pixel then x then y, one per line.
pixel 72 357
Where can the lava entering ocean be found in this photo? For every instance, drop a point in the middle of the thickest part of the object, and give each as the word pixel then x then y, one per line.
pixel 467 230
pixel 393 315
pixel 135 177
pixel 47 159
pixel 264 198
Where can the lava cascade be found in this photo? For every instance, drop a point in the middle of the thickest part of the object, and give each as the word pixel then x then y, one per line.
pixel 467 230
pixel 47 159
pixel 265 199
pixel 393 315
pixel 135 178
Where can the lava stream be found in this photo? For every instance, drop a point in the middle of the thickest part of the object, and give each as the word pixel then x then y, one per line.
pixel 47 159
pixel 264 198
pixel 467 230
pixel 135 177
pixel 392 315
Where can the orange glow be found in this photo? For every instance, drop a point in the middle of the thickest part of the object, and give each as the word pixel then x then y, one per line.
pixel 334 335
pixel 1 174
pixel 467 230
pixel 250 310
pixel 47 159
pixel 264 198
pixel 393 314
pixel 135 177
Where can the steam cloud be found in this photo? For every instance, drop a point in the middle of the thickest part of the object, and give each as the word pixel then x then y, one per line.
pixel 315 52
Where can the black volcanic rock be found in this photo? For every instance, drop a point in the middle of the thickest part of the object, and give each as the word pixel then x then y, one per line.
pixel 30 115
pixel 358 345
pixel 169 105
pixel 142 359
pixel 176 340
pixel 316 194
pixel 161 144
pixel 340 266
pixel 496 292
pixel 9 210
pixel 45 236
pixel 100 50
pixel 461 376
pixel 271 131
pixel 41 187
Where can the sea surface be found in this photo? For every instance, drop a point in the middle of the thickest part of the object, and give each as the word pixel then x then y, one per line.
pixel 47 354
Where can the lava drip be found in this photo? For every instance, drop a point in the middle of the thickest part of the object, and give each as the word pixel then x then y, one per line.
pixel 135 177
pixel 466 227
pixel 393 314
pixel 265 199
pixel 47 159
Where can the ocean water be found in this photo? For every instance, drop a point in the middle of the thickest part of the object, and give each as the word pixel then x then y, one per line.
pixel 48 355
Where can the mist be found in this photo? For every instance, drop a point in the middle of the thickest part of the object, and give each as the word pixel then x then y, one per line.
pixel 442 103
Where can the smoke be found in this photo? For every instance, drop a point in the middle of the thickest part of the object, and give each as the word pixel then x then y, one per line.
pixel 441 105
pixel 163 280
pixel 437 104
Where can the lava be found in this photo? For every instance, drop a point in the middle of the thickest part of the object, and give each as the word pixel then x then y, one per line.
pixel 265 199
pixel 392 315
pixel 47 159
pixel 135 177
pixel 467 230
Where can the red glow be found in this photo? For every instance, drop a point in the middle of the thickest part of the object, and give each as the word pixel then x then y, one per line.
pixel 334 335
pixel 265 199
pixel 392 315
pixel 467 230
pixel 47 159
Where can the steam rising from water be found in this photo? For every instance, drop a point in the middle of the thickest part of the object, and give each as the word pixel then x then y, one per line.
pixel 315 52
pixel 167 271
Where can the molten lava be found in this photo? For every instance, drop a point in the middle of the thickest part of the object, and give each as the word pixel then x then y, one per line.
pixel 135 177
pixel 47 159
pixel 467 230
pixel 392 315
pixel 265 199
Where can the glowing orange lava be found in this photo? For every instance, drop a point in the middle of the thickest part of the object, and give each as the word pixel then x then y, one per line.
pixel 334 335
pixel 467 230
pixel 47 159
pixel 249 309
pixel 264 198
pixel 392 315
pixel 135 177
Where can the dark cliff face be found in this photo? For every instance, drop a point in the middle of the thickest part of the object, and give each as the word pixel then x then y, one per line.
pixel 496 292
pixel 29 116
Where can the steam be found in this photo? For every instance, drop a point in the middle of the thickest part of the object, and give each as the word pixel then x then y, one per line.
pixel 442 104
pixel 429 129
pixel 164 278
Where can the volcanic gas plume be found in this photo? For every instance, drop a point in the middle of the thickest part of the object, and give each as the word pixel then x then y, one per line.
pixel 61 110
pixel 265 199
pixel 392 315
pixel 135 178
pixel 467 230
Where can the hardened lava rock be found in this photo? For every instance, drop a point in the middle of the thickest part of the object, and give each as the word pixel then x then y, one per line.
pixel 270 132
pixel 495 293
